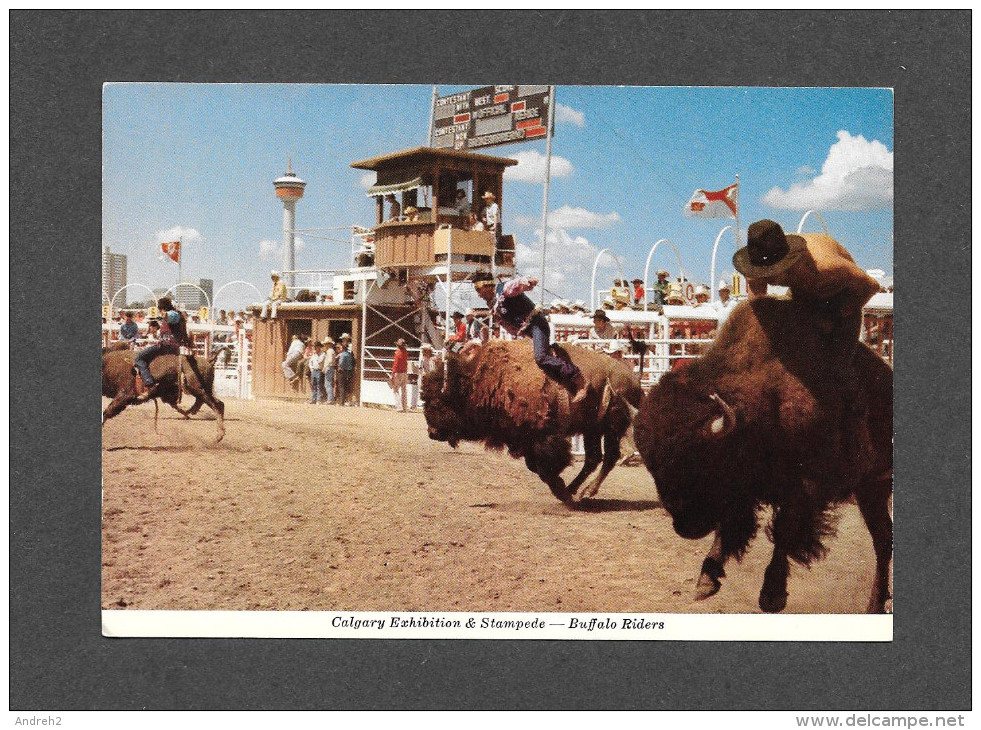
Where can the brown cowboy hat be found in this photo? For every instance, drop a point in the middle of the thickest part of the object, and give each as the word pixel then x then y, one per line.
pixel 768 251
pixel 600 314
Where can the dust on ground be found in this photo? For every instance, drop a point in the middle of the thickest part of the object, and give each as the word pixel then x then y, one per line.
pixel 306 507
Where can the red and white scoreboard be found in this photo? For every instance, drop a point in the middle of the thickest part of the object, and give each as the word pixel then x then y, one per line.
pixel 490 116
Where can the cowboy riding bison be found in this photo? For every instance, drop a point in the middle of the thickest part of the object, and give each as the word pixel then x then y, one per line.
pixel 173 373
pixel 497 394
pixel 785 411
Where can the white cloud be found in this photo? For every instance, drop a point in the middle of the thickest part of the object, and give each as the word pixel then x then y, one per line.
pixel 367 180
pixel 569 217
pixel 856 176
pixel 569 263
pixel 273 250
pixel 565 113
pixel 531 167
pixel 187 236
pixel 268 248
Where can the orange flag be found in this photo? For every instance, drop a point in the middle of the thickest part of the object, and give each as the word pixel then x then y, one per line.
pixel 172 249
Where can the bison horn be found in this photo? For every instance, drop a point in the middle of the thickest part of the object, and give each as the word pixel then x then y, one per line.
pixel 727 421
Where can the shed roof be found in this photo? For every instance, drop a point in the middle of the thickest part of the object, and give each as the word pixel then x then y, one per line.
pixel 423 155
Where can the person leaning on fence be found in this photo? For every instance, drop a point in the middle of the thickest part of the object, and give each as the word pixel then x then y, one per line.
pixel 400 374
pixel 278 294
pixel 293 355
pixel 315 364
pixel 602 329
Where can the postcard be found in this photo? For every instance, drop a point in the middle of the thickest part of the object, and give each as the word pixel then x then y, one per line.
pixel 497 362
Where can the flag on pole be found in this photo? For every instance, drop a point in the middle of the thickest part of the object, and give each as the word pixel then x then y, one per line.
pixel 714 204
pixel 172 249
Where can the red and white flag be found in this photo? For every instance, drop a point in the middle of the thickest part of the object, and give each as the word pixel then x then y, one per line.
pixel 172 249
pixel 714 204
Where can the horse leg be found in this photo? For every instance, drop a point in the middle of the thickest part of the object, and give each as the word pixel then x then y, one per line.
pixel 611 455
pixel 873 503
pixel 594 455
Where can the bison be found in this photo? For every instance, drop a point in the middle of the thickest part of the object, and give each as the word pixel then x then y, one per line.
pixel 763 418
pixel 196 377
pixel 496 394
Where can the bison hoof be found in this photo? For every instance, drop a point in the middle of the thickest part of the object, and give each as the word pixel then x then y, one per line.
pixel 773 602
pixel 707 587
pixel 710 579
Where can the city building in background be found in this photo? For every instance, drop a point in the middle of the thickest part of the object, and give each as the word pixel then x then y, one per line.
pixel 113 274
pixel 191 297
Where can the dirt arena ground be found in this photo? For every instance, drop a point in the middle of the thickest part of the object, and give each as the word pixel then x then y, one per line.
pixel 306 507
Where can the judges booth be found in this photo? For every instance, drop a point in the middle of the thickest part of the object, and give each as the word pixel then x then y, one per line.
pixel 427 180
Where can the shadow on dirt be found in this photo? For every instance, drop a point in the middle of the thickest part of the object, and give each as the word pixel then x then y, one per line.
pixel 617 505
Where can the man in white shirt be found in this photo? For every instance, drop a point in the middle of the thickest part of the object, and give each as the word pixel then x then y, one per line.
pixel 492 214
pixel 315 363
pixel 725 304
pixel 293 355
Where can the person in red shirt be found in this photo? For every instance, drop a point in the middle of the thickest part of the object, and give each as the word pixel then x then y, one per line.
pixel 455 341
pixel 400 374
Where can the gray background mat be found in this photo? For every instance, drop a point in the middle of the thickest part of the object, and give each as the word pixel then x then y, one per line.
pixel 58 62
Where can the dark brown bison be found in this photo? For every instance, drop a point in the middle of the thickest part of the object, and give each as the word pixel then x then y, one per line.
pixel 496 394
pixel 196 377
pixel 763 419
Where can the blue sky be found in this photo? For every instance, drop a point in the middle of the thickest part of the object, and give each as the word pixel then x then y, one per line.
pixel 198 161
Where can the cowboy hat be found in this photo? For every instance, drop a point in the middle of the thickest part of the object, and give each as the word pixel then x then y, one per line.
pixel 768 250
pixel 702 289
pixel 400 342
pixel 600 314
pixel 637 281
pixel 482 277
pixel 723 284
pixel 488 194
pixel 662 272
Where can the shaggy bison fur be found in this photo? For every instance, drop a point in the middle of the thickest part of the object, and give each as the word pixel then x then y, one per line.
pixel 197 377
pixel 763 419
pixel 496 394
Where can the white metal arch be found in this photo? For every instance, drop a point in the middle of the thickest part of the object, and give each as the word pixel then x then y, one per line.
pixel 187 283
pixel 211 310
pixel 647 266
pixel 713 284
pixel 112 302
pixel 824 227
pixel 592 288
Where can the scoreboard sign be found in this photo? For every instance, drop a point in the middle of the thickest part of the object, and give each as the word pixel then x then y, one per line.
pixel 490 116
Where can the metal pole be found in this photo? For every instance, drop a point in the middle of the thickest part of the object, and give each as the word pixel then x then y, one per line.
pixel 432 113
pixel 548 175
